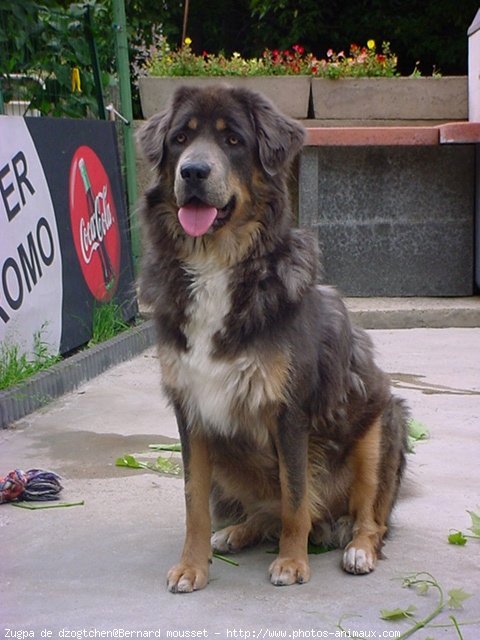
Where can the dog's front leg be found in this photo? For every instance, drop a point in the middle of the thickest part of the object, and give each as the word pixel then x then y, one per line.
pixel 291 440
pixel 191 573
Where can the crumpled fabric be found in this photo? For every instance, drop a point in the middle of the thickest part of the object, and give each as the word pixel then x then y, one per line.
pixel 32 485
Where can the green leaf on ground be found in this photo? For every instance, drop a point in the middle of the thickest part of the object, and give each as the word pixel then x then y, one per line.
pixel 397 614
pixel 456 598
pixel 417 431
pixel 176 447
pixel 423 588
pixel 218 556
pixel 457 538
pixel 164 465
pixel 475 528
pixel 47 505
pixel 129 461
pixel 161 465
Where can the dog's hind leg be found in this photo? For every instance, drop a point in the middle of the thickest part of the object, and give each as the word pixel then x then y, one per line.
pixel 261 525
pixel 361 553
pixel 291 440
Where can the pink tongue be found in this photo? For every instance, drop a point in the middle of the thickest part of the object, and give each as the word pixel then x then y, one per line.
pixel 197 219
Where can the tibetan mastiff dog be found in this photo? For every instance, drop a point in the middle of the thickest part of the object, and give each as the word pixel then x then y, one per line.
pixel 288 428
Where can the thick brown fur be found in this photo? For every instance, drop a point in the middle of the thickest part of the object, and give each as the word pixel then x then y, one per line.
pixel 288 427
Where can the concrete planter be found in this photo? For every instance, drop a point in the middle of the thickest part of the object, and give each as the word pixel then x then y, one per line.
pixel 394 99
pixel 290 93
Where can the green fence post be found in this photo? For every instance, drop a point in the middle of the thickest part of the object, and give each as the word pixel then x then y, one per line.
pixel 123 70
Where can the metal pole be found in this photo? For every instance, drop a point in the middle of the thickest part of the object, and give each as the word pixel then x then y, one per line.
pixel 185 21
pixel 123 69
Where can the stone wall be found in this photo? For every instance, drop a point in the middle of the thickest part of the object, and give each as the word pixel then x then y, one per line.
pixel 392 221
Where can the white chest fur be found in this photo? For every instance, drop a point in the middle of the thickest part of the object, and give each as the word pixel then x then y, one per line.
pixel 214 388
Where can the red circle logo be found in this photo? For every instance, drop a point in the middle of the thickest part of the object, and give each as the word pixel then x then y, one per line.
pixel 94 223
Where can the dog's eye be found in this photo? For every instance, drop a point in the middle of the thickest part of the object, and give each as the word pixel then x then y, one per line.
pixel 232 140
pixel 181 138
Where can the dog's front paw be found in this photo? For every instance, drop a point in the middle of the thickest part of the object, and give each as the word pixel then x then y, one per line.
pixel 185 578
pixel 358 560
pixel 285 571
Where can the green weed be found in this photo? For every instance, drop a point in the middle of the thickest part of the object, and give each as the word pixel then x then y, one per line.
pixel 460 538
pixel 107 322
pixel 423 583
pixel 16 366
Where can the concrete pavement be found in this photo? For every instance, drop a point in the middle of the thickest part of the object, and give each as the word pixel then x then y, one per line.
pixel 101 567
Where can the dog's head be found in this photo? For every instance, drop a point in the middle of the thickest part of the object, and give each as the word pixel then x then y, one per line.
pixel 222 156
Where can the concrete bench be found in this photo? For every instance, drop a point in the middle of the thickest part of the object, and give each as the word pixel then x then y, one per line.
pixel 449 133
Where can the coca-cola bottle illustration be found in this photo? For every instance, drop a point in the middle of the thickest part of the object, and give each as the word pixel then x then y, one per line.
pixel 107 270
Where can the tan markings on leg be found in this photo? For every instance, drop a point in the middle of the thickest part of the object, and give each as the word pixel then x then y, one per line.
pixel 291 566
pixel 191 573
pixel 361 554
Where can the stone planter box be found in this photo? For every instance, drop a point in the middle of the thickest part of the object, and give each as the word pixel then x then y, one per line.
pixel 291 94
pixel 394 99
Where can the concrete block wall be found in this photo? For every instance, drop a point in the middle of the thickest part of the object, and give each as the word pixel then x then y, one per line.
pixel 392 221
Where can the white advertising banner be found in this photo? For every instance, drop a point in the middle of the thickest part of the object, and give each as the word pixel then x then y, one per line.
pixel 30 258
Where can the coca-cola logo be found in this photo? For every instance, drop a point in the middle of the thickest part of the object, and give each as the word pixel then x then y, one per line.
pixel 93 216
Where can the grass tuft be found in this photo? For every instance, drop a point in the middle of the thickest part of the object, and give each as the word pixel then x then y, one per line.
pixel 107 322
pixel 16 366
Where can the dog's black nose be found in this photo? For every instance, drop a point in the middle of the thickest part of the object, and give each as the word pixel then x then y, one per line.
pixel 195 171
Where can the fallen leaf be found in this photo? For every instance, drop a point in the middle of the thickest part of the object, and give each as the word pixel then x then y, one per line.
pixel 397 614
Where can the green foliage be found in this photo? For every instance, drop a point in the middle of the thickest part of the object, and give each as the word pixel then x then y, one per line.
pixel 44 43
pixel 176 446
pixel 423 583
pixel 160 465
pixel 461 539
pixel 107 322
pixel 456 597
pixel 475 528
pixel 16 366
pixel 417 432
pixel 457 538
pixel 397 614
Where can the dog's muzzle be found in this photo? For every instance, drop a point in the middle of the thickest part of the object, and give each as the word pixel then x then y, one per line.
pixel 202 192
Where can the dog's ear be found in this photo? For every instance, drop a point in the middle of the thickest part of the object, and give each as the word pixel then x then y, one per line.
pixel 151 137
pixel 279 137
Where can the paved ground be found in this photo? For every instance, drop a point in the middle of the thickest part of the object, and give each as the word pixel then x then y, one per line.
pixel 101 566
